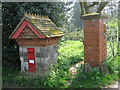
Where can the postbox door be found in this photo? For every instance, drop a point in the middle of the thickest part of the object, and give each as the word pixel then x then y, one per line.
pixel 31 60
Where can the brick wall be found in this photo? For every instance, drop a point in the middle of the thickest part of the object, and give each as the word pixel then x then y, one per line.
pixel 36 42
pixel 94 39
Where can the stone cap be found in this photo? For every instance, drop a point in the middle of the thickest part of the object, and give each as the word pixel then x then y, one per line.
pixel 94 16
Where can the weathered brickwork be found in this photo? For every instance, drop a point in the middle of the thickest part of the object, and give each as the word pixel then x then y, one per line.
pixel 27 33
pixel 37 42
pixel 94 40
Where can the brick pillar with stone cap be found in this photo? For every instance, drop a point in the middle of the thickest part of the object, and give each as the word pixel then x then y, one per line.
pixel 94 39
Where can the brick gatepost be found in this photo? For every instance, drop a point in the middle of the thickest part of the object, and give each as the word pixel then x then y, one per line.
pixel 94 39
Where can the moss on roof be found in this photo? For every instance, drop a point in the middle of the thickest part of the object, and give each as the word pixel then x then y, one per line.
pixel 44 25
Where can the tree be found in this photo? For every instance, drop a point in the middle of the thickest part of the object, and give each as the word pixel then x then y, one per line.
pixel 86 6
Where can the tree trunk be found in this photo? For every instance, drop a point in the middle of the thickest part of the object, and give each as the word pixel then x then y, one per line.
pixel 82 8
pixel 85 7
pixel 101 7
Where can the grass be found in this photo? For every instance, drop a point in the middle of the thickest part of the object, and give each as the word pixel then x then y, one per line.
pixel 70 52
pixel 111 49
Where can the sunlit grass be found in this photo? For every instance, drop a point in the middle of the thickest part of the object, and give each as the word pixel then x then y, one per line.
pixel 71 48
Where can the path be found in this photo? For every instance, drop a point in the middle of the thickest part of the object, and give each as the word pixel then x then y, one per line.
pixel 114 85
pixel 73 70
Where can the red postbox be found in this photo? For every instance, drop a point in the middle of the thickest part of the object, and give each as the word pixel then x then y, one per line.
pixel 31 60
pixel 34 42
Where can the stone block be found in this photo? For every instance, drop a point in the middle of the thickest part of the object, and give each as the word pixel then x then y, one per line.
pixel 22 63
pixel 48 53
pixel 49 60
pixel 37 49
pixel 21 59
pixel 51 48
pixel 48 48
pixel 37 59
pixel 56 48
pixel 20 49
pixel 37 54
pixel 24 50
pixel 25 58
pixel 26 66
pixel 55 57
pixel 42 52
pixel 43 60
pixel 21 54
pixel 44 67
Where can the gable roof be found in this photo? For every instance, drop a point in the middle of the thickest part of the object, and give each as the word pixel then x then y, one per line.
pixel 42 26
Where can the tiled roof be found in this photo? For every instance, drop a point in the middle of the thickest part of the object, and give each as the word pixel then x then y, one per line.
pixel 43 25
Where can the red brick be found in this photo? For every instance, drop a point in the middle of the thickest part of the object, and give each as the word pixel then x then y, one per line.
pixel 91 21
pixel 94 41
pixel 93 37
pixel 92 28
pixel 91 25
pixel 90 33
pixel 91 42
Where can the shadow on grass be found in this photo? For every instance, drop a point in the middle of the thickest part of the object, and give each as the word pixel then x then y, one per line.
pixel 13 79
pixel 9 72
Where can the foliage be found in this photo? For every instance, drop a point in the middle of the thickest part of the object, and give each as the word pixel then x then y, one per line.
pixel 75 35
pixel 113 65
pixel 112 23
pixel 112 9
pixel 72 33
pixel 57 78
pixel 112 39
pixel 9 74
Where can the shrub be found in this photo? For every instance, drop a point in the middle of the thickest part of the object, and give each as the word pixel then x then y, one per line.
pixel 76 35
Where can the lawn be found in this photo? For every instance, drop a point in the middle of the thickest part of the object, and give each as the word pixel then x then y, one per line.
pixel 70 53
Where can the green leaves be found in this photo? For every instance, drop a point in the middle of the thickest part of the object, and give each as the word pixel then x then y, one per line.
pixel 113 23
pixel 74 35
pixel 56 78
